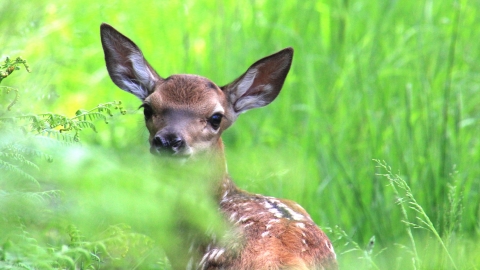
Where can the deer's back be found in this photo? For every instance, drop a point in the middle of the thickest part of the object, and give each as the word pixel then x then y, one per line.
pixel 269 233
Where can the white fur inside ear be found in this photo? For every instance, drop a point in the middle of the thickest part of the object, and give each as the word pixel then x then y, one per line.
pixel 250 102
pixel 245 84
pixel 128 84
pixel 141 70
pixel 145 80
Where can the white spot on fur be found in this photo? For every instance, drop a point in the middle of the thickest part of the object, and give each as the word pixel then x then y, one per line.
pixel 218 254
pixel 212 255
pixel 233 216
pixel 330 247
pixel 267 205
pixel 243 219
pixel 224 196
pixel 265 233
pixel 276 213
pixel 273 204
pixel 300 225
pixel 295 215
pixel 204 258
pixel 248 224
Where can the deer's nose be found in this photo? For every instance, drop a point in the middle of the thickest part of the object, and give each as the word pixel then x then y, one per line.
pixel 168 143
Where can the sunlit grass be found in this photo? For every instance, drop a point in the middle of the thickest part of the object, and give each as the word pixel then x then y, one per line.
pixel 370 80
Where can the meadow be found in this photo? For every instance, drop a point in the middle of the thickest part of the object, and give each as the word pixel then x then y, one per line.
pixel 376 132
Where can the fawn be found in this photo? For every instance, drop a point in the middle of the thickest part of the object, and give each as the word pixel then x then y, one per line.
pixel 185 115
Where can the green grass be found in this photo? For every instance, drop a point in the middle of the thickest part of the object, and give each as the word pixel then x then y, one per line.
pixel 389 80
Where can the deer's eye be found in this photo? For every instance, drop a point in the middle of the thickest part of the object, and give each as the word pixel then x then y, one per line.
pixel 215 120
pixel 147 111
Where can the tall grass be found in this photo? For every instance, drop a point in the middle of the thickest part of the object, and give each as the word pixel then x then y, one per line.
pixel 388 80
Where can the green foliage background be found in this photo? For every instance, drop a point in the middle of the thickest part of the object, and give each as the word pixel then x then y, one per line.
pixel 391 80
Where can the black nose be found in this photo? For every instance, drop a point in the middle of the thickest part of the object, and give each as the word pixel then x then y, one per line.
pixel 168 143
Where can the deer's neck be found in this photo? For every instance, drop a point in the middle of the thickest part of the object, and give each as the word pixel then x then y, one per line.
pixel 223 184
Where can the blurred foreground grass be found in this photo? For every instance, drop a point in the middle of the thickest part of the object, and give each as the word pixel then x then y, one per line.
pixel 394 81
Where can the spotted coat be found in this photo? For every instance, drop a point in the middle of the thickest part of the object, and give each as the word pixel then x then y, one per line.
pixel 266 227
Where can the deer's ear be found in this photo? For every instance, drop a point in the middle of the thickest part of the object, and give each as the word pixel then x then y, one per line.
pixel 126 65
pixel 261 83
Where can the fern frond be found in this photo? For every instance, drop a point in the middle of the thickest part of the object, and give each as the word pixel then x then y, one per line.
pixel 86 124
pixel 9 167
pixel 22 148
pixel 9 66
pixel 43 195
pixel 20 159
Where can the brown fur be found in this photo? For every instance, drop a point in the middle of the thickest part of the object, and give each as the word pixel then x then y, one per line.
pixel 263 238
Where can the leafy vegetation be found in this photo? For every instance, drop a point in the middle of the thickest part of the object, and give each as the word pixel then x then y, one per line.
pixel 20 148
pixel 385 80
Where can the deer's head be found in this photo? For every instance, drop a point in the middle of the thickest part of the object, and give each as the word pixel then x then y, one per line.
pixel 186 114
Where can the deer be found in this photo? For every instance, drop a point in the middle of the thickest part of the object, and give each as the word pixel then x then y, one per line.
pixel 186 115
